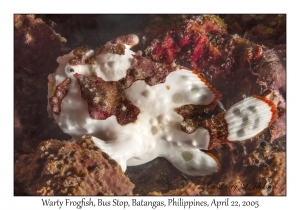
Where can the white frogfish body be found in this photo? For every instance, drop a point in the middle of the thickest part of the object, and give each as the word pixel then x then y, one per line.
pixel 154 127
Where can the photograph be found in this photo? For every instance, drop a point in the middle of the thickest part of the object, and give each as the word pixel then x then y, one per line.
pixel 149 105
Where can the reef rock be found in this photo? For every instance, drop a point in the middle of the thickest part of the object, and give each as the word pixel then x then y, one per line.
pixel 268 30
pixel 36 45
pixel 70 168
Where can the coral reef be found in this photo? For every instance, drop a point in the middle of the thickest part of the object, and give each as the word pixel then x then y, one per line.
pixel 229 62
pixel 70 168
pixel 268 30
pixel 36 45
pixel 256 173
pixel 271 72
